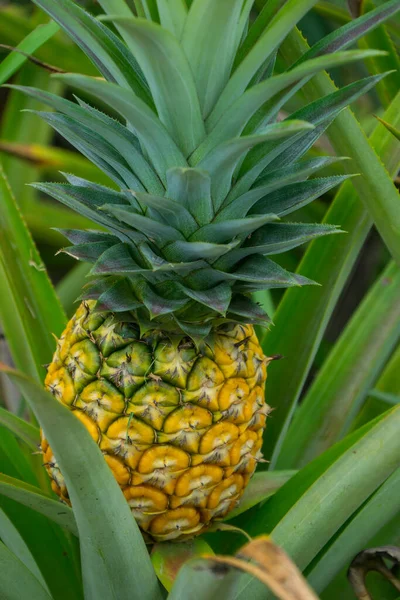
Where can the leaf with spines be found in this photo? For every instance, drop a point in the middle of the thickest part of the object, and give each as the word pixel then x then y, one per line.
pixel 250 310
pixel 119 137
pixel 154 230
pixel 277 30
pixel 82 236
pixel 258 268
pixel 117 298
pixel 235 119
pixel 217 298
pixel 225 230
pixel 221 162
pixel 82 202
pixel 95 148
pixel 352 31
pixel 275 180
pixel 102 46
pixel 215 38
pixel 180 250
pixel 294 196
pixel 275 239
pixel 150 131
pixel 320 113
pixel 182 243
pixel 192 189
pixel 116 260
pixel 173 212
pixel 156 304
pixel 170 79
pixel 87 252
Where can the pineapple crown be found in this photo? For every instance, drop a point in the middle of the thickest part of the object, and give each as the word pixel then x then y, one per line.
pixel 204 171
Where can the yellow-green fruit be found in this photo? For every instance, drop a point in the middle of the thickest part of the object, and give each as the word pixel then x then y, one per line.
pixel 181 428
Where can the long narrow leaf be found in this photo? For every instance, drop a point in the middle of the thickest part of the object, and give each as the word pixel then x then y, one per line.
pixel 235 118
pixel 34 498
pixel 15 542
pixel 25 431
pixel 30 313
pixel 170 79
pixel 276 31
pixel 210 32
pixel 17 581
pixel 158 143
pixel 29 45
pixel 306 512
pixel 262 485
pixel 114 557
pixel 348 372
pixel 375 187
pixel 99 43
pixel 379 510
pixel 173 14
pixel 328 263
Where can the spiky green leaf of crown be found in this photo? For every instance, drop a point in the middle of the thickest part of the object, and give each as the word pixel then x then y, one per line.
pixel 204 170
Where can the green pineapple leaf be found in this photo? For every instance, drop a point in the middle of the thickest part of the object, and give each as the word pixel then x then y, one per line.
pixel 170 79
pixel 364 524
pixel 111 544
pixel 24 431
pixel 33 497
pixel 102 46
pixel 273 35
pixel 158 143
pixel 17 580
pixel 173 15
pixel 211 30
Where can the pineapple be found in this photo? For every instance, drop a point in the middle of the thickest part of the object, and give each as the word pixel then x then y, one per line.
pixel 180 426
pixel 160 362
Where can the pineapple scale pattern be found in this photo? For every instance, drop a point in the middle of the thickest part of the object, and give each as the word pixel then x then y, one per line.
pixel 180 428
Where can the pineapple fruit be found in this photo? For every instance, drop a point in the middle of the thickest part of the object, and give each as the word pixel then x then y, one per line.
pixel 180 427
pixel 161 362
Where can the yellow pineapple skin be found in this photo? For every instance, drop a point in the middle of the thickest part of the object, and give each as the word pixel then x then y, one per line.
pixel 180 428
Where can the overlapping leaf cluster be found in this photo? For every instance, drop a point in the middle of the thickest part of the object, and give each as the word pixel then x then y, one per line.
pixel 205 172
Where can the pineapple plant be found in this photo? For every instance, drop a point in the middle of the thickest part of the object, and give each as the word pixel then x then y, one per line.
pixel 201 149
pixel 161 362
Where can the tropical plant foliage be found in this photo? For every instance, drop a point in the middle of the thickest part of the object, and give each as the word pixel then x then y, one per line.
pixel 332 481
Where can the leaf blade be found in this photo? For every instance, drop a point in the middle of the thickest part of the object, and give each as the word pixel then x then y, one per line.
pixel 109 533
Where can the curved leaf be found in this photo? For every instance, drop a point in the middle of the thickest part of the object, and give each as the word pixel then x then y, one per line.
pixel 173 14
pixel 221 162
pixel 276 31
pixel 25 431
pixel 368 520
pixel 114 557
pixel 330 264
pixel 233 121
pixel 17 581
pixel 170 79
pixel 211 31
pixel 348 372
pixel 262 485
pixel 306 512
pixel 158 143
pixel 168 558
pixel 100 44
pixel 36 38
pixel 35 498
pixel 30 311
